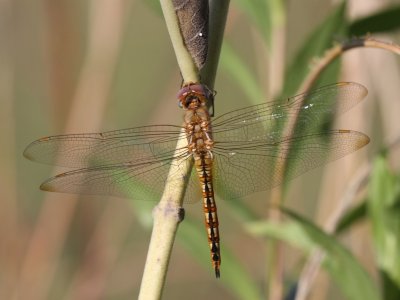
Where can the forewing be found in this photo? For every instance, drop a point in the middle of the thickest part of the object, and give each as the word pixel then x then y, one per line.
pixel 134 145
pixel 266 121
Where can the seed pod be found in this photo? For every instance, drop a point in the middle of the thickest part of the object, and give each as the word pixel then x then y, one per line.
pixel 193 23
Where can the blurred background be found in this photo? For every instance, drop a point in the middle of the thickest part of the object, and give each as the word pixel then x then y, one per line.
pixel 88 66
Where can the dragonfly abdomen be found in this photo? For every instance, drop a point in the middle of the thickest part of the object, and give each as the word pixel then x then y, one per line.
pixel 203 162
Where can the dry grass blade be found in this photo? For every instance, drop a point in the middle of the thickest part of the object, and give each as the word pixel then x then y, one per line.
pixel 44 249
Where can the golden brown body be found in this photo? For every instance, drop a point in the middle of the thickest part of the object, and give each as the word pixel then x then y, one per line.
pixel 198 129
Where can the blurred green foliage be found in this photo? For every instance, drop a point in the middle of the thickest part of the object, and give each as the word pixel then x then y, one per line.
pixel 349 274
pixel 142 92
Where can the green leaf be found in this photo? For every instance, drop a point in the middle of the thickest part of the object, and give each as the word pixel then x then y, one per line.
pixel 354 215
pixel 258 12
pixel 289 232
pixel 241 210
pixel 193 237
pixel 346 271
pixel 387 20
pixel 266 15
pixel 319 41
pixel 391 290
pixel 237 68
pixel 384 212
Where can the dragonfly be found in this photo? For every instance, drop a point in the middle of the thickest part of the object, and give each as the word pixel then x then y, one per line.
pixel 235 154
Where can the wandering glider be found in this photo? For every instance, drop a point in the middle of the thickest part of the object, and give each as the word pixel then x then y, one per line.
pixel 235 154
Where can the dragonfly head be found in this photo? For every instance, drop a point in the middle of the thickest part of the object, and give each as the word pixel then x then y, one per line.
pixel 193 96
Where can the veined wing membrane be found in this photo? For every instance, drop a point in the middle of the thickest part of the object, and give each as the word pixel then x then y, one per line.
pixel 135 145
pixel 156 142
pixel 142 181
pixel 248 147
pixel 242 168
pixel 250 142
pixel 266 121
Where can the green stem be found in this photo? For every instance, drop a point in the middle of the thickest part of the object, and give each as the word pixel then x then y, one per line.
pixel 218 15
pixel 186 63
pixel 167 213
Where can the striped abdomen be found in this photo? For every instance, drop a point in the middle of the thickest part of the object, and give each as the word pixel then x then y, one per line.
pixel 203 162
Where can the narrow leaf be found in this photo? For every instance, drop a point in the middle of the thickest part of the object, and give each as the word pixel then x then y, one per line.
pixel 258 12
pixel 238 69
pixel 193 237
pixel 346 271
pixel 387 20
pixel 391 290
pixel 354 215
pixel 384 212
pixel 320 40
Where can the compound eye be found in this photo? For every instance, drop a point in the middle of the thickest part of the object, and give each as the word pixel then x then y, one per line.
pixel 180 104
pixel 198 89
pixel 183 91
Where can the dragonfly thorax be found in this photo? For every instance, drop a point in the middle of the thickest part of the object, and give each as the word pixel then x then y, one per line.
pixel 193 98
pixel 198 128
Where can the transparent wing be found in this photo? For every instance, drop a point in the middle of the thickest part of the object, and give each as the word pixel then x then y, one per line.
pixel 144 181
pixel 266 121
pixel 149 143
pixel 249 142
pixel 257 165
pixel 248 145
pixel 135 145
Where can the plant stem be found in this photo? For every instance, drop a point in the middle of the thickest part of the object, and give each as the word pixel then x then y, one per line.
pixel 312 267
pixel 218 15
pixel 186 64
pixel 275 257
pixel 276 275
pixel 168 213
pixel 167 216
